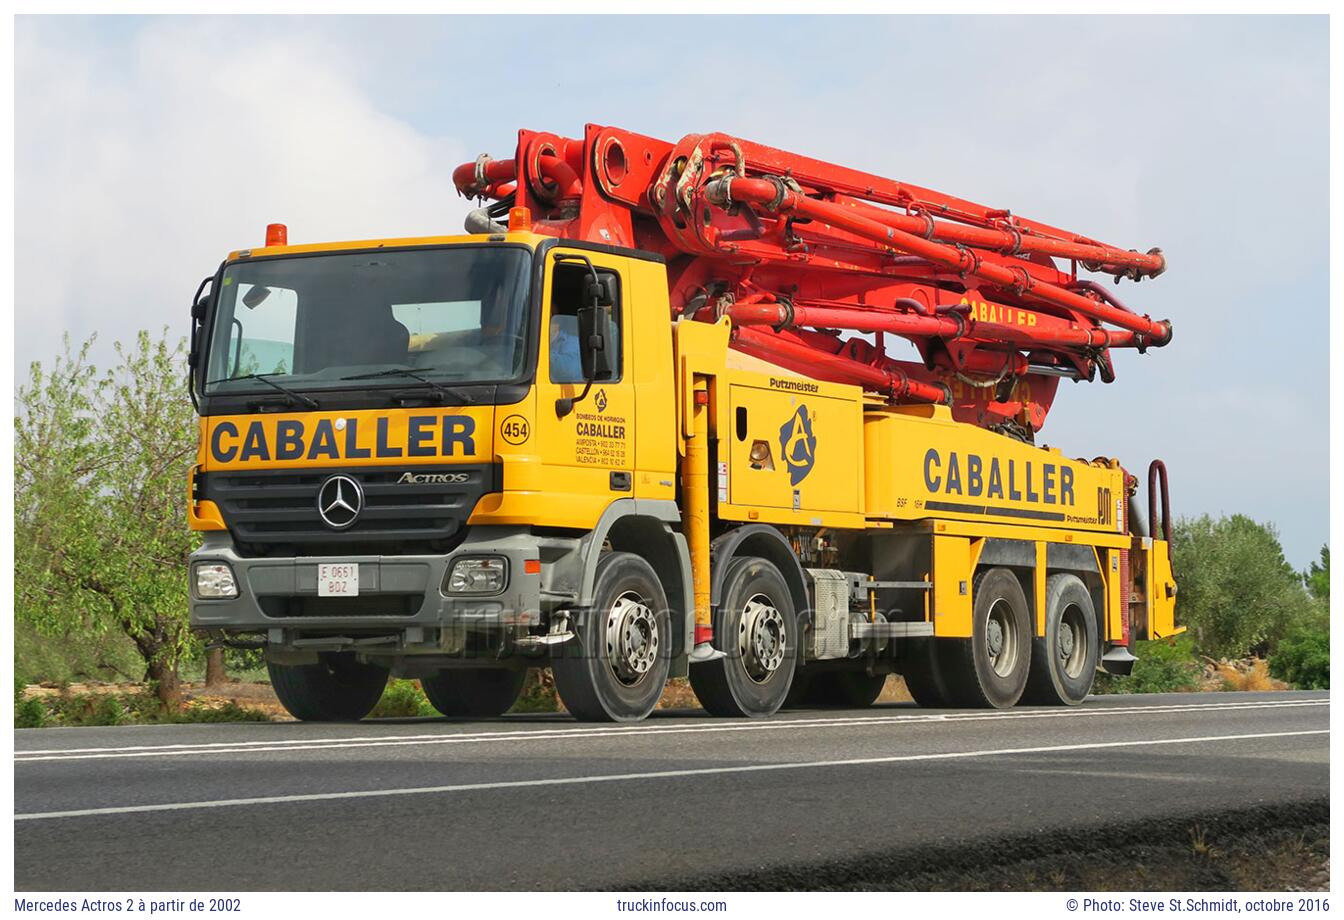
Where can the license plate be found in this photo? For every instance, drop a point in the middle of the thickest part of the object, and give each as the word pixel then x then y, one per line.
pixel 338 579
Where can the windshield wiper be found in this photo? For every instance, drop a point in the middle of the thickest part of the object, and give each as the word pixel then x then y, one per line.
pixel 447 395
pixel 294 396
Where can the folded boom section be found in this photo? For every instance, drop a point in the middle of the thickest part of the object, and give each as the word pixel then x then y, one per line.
pixel 817 264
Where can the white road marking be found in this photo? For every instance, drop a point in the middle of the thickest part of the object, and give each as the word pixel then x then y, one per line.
pixel 563 734
pixel 657 774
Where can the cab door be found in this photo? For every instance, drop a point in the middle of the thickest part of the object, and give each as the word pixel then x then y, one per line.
pixel 586 448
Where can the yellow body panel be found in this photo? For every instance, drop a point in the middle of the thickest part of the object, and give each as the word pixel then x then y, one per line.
pixel 1038 588
pixel 1161 593
pixel 921 463
pixel 790 431
pixel 1108 561
pixel 953 568
pixel 577 454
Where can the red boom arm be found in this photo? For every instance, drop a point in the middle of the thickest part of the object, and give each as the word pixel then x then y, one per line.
pixel 794 250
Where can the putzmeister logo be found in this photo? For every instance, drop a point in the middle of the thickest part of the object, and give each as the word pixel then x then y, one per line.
pixel 799 445
pixel 339 501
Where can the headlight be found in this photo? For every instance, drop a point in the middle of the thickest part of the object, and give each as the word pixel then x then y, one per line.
pixel 483 575
pixel 215 579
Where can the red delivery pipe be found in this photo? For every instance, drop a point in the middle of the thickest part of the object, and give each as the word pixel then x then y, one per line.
pixel 896 384
pixel 781 314
pixel 555 171
pixel 1089 337
pixel 481 177
pixel 948 326
pixel 775 196
pixel 1012 242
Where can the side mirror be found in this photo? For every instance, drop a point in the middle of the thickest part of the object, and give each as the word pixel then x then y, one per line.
pixel 595 344
pixel 200 305
pixel 599 290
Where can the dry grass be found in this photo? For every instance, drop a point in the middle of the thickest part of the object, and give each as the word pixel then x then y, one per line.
pixel 1245 675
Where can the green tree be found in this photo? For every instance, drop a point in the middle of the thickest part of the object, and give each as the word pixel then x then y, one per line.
pixel 1318 577
pixel 101 539
pixel 1237 592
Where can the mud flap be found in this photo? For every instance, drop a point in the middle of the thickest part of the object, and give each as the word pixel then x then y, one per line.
pixel 1118 660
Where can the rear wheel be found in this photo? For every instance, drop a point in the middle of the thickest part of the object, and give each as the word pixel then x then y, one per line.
pixel 1064 661
pixel 922 668
pixel 616 666
pixel 757 629
pixel 336 689
pixel 849 689
pixel 989 670
pixel 474 692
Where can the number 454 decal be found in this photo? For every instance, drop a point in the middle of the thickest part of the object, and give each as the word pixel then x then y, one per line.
pixel 515 430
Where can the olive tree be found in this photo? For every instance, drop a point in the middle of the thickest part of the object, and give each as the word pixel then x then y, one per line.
pixel 1236 591
pixel 101 539
pixel 1318 577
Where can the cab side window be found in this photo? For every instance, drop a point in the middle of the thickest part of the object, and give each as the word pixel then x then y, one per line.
pixel 567 289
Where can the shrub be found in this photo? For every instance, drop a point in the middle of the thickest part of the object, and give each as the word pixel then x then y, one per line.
pixel 30 713
pixel 108 710
pixel 403 699
pixel 228 712
pixel 1164 666
pixel 137 707
pixel 1303 658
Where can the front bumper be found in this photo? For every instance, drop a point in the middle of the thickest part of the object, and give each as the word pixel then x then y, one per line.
pixel 394 591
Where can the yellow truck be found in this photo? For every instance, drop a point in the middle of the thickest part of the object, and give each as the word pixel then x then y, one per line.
pixel 457 458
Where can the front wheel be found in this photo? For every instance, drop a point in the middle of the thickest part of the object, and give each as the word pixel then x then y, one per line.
pixel 336 689
pixel 616 666
pixel 474 692
pixel 757 629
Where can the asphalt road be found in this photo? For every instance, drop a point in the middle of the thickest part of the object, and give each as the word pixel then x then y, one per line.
pixel 544 802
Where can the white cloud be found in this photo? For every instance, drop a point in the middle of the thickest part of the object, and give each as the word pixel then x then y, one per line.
pixel 142 164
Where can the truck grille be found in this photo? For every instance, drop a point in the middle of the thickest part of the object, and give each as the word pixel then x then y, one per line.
pixel 275 512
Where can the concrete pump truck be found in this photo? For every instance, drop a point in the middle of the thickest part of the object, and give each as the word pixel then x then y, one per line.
pixel 642 421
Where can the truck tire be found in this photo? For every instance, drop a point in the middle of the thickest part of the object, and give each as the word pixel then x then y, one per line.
pixel 757 629
pixel 800 691
pixel 989 670
pixel 336 689
pixel 1064 661
pixel 616 666
pixel 474 692
pixel 922 669
pixel 848 689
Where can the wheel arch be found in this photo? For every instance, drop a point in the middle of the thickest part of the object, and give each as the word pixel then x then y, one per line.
pixel 1019 558
pixel 646 528
pixel 1066 559
pixel 757 540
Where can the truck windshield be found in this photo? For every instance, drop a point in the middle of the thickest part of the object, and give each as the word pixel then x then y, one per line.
pixel 453 315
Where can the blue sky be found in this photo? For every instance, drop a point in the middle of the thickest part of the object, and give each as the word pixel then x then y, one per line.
pixel 146 148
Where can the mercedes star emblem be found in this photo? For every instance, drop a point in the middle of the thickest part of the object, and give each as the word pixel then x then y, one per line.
pixel 339 502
